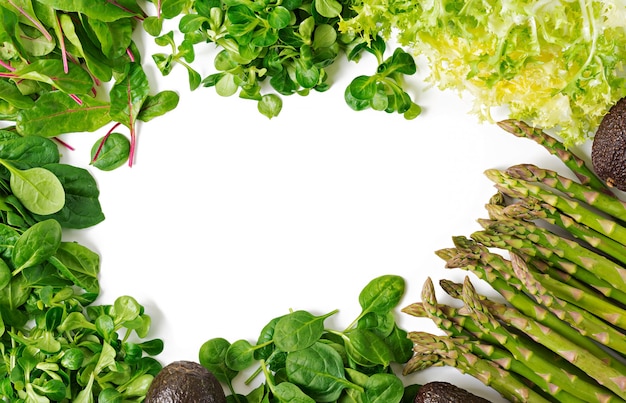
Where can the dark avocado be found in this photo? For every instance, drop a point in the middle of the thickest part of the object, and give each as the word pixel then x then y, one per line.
pixel 608 151
pixel 185 382
pixel 444 392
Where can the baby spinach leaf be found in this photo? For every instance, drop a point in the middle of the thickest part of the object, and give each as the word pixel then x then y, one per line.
pixel 240 355
pixel 79 264
pixel 384 388
pixel 39 190
pixel 36 245
pixel 382 294
pixel 56 113
pixel 319 370
pixel 212 356
pixel 82 205
pixel 28 152
pixel 299 330
pixel 287 392
pixel 369 346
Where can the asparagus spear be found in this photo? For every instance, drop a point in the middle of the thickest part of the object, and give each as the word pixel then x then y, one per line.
pixel 567 319
pixel 455 353
pixel 611 378
pixel 587 323
pixel 600 200
pixel 593 262
pixel 580 213
pixel 576 164
pixel 611 313
pixel 529 209
pixel 526 247
pixel 556 375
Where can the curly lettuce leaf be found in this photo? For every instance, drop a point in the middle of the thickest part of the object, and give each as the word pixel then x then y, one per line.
pixel 554 64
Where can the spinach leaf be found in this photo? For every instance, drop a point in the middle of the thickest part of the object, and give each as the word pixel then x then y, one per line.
pixel 36 245
pixel 82 205
pixel 39 190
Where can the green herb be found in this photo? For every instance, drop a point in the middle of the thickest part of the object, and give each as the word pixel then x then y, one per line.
pixel 286 47
pixel 303 361
pixel 556 65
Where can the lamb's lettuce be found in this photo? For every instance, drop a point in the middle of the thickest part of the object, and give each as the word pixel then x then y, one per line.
pixel 554 64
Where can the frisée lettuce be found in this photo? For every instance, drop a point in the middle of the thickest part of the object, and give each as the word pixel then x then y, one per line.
pixel 555 64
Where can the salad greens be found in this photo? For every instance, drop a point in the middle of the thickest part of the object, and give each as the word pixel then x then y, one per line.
pixel 302 360
pixel 56 58
pixel 554 64
pixel 55 344
pixel 284 46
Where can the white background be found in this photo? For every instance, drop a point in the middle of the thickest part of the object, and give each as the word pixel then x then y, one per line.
pixel 229 219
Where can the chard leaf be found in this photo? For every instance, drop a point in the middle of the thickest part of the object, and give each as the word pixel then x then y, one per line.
pixel 10 93
pixel 128 95
pixel 51 71
pixel 55 113
pixel 157 105
pixel 101 10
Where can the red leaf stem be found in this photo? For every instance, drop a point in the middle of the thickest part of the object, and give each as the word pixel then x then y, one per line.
pixel 104 139
pixel 36 23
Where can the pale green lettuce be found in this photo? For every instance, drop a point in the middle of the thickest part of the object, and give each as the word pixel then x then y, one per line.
pixel 554 64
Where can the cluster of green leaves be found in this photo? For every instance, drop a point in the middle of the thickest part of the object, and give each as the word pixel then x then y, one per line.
pixel 54 57
pixel 288 43
pixel 54 345
pixel 384 90
pixel 74 352
pixel 305 362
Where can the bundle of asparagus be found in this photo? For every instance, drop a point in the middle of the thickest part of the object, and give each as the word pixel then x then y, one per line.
pixel 555 250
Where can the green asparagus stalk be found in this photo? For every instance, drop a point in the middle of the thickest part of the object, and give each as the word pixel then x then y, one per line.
pixel 525 247
pixel 611 378
pixel 593 262
pixel 567 319
pixel 580 319
pixel 556 374
pixel 580 213
pixel 600 308
pixel 599 200
pixel 529 209
pixel 453 352
pixel 576 164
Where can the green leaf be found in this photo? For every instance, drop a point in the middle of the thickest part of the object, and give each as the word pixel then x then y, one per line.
pixel 287 392
pixel 101 10
pixel 240 355
pixel 153 25
pixel 298 330
pixel 56 113
pixel 270 105
pixel 37 244
pixel 128 95
pixel 319 371
pixel 51 71
pixel 382 294
pixel 112 152
pixel 80 264
pixel 371 347
pixel 384 388
pixel 279 17
pixel 328 8
pixel 158 105
pixel 82 206
pixel 362 88
pixel 39 190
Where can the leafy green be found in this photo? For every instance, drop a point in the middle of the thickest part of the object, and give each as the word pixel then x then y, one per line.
pixel 556 65
pixel 303 361
pixel 288 45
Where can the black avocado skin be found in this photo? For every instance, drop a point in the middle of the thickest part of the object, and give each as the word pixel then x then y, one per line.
pixel 185 382
pixel 444 392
